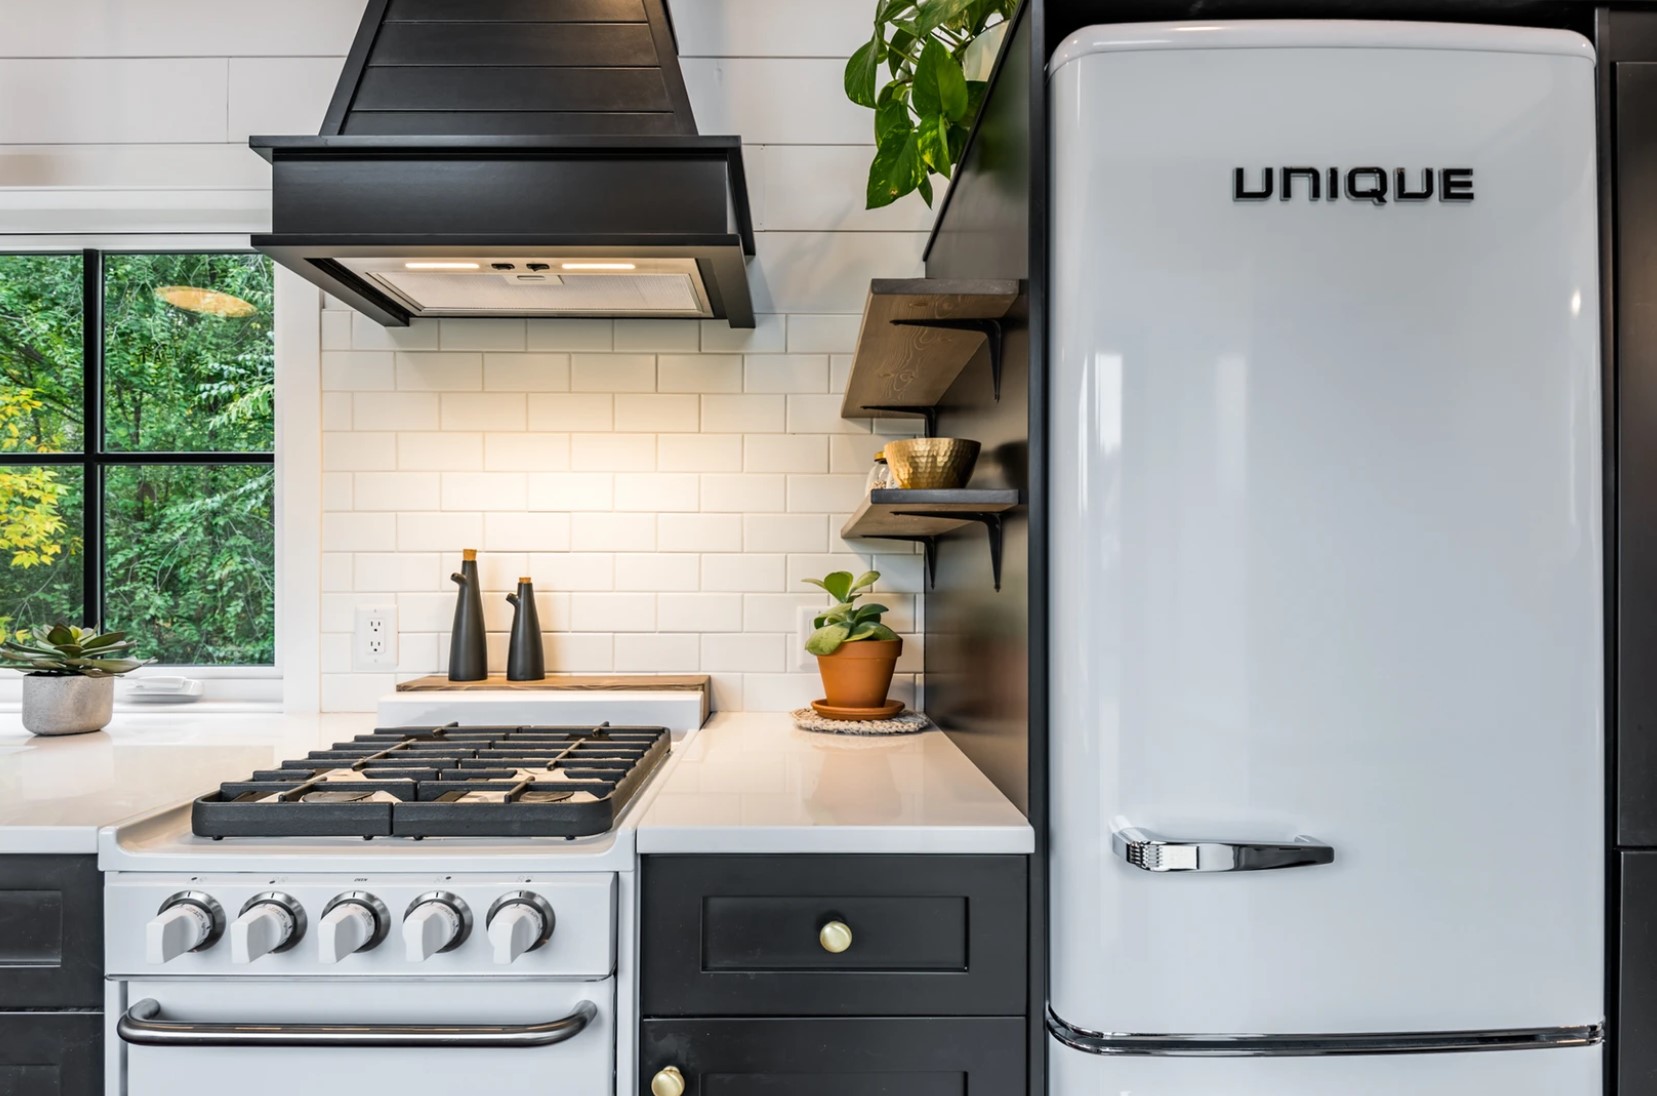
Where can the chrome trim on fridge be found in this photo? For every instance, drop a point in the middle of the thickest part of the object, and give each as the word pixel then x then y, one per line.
pixel 1307 1046
pixel 142 1024
pixel 1153 852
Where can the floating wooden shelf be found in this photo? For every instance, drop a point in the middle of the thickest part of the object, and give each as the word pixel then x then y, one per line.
pixel 924 516
pixel 917 336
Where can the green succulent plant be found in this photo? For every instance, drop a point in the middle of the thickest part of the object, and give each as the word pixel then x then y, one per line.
pixel 67 651
pixel 846 622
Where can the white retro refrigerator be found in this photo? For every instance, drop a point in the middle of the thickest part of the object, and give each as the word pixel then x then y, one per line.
pixel 1325 566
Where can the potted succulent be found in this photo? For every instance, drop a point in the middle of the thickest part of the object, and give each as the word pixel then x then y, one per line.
pixel 856 653
pixel 71 672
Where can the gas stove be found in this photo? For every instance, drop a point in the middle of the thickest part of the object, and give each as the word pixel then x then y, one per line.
pixel 449 781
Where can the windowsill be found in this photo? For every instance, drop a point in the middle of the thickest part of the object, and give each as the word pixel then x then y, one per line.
pixel 197 707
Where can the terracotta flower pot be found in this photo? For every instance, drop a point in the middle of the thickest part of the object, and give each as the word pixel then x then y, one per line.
pixel 858 674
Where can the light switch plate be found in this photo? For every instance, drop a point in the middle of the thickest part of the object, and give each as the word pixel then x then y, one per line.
pixel 374 641
pixel 803 659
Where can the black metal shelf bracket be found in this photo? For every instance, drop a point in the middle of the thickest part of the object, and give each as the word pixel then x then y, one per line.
pixel 991 522
pixel 990 329
pixel 929 545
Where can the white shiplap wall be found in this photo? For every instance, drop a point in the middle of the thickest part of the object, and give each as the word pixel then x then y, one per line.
pixel 667 483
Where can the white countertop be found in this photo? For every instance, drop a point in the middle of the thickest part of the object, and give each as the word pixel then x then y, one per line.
pixel 56 792
pixel 749 782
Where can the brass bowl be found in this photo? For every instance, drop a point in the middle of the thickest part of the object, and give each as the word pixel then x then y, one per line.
pixel 931 463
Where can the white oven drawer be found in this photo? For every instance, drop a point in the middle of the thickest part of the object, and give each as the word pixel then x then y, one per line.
pixel 404 1037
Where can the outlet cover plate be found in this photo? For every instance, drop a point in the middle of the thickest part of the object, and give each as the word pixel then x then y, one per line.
pixel 374 640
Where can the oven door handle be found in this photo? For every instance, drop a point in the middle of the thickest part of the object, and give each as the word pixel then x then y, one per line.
pixel 142 1024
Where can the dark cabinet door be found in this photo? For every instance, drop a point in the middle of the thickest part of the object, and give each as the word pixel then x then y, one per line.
pixel 902 1056
pixel 51 1053
pixel 51 933
pixel 1635 1046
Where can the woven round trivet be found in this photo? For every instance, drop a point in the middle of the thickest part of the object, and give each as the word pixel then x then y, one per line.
pixel 906 722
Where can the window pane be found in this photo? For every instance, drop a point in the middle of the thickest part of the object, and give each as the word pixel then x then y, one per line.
pixel 189 353
pixel 190 555
pixel 40 353
pixel 40 546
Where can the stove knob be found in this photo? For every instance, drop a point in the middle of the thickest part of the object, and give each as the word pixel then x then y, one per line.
pixel 518 922
pixel 270 922
pixel 435 922
pixel 351 922
pixel 187 921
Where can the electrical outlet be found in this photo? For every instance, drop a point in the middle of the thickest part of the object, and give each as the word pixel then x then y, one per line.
pixel 374 643
pixel 803 659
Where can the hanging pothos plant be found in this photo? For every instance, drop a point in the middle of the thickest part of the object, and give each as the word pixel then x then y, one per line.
pixel 937 56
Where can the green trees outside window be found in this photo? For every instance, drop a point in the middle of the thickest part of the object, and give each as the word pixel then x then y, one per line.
pixel 137 482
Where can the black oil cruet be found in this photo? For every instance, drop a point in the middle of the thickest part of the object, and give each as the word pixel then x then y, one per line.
pixel 468 645
pixel 525 658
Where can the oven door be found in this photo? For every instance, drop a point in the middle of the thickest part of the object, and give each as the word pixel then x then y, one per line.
pixel 332 1037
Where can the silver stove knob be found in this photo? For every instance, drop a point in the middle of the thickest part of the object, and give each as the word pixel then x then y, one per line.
pixel 518 922
pixel 351 922
pixel 186 921
pixel 435 922
pixel 271 922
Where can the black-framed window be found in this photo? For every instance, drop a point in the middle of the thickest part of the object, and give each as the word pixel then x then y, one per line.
pixel 137 439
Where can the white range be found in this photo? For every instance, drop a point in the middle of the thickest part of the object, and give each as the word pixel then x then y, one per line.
pixel 326 962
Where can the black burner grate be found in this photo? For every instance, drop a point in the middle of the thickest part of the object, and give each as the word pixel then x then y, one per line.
pixel 448 781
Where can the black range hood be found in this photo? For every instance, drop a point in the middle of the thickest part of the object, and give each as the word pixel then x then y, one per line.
pixel 514 158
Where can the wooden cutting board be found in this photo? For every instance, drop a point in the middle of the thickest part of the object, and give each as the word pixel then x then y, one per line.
pixel 581 682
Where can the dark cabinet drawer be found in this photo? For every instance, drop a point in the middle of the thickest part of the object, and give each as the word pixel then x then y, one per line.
pixel 51 932
pixel 1635 1041
pixel 978 1056
pixel 51 1053
pixel 740 935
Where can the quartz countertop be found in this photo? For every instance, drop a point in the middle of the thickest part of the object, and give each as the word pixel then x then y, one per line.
pixel 749 782
pixel 56 792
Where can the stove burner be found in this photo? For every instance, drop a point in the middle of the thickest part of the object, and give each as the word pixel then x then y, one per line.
pixel 450 781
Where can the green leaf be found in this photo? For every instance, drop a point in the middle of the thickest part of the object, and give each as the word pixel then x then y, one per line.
pixel 925 96
pixel 936 13
pixel 838 584
pixel 925 188
pixel 59 635
pixel 952 83
pixel 882 632
pixel 860 631
pixel 932 137
pixel 870 612
pixel 105 640
pixel 861 70
pixel 891 117
pixel 825 641
pixel 867 578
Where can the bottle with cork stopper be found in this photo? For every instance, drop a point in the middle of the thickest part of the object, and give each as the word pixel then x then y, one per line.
pixel 468 643
pixel 525 657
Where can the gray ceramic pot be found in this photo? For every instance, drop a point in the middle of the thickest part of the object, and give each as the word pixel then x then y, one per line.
pixel 67 705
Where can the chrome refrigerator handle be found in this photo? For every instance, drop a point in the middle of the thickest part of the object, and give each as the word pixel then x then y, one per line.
pixel 142 1024
pixel 1154 852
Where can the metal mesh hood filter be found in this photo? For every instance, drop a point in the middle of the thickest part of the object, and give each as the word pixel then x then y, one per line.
pixel 492 293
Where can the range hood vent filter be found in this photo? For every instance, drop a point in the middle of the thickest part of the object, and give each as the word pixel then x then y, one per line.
pixel 445 293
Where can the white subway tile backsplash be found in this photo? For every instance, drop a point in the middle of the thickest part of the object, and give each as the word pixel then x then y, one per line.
pixel 444 531
pixel 657 492
pixel 780 692
pixel 336 491
pixel 699 532
pixel 526 452
pixel 613 532
pixel 743 572
pixel 699 373
pixel 821 415
pixel 392 572
pixel 760 653
pixel 767 336
pixel 571 411
pixel 485 491
pixel 481 334
pixel 657 653
pixel 661 572
pixel 439 371
pixel 571 491
pixel 699 452
pixel 585 653
pixel 658 335
pixel 744 414
pixel 526 372
pixel 498 571
pixel 785 373
pixel 358 371
pixel 337 574
pixel 395 411
pixel 777 612
pixel 354 692
pixel 336 411
pixel 396 491
pixel 785 453
pixel 546 532
pixel 353 452
pixel 573 570
pixel 359 532
pixel 440 452
pixel 658 414
pixel 428 611
pixel 613 612
pixel 825 272
pixel 744 494
pixel 484 411
pixel 840 371
pixel 571 334
pixel 823 334
pixel 613 452
pixel 612 372
pixel 368 335
pixel 699 613
pixel 785 532
pixel 825 494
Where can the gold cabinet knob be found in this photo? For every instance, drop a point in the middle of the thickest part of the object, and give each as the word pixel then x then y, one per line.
pixel 836 937
pixel 669 1082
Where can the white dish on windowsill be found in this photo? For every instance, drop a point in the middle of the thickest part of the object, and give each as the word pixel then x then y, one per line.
pixel 162 690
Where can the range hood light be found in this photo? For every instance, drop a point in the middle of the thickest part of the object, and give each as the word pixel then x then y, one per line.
pixel 440 266
pixel 598 266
